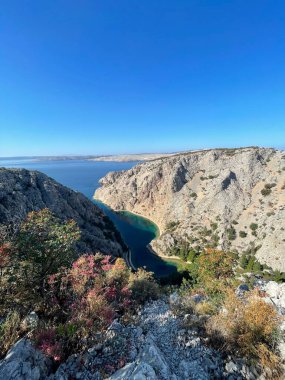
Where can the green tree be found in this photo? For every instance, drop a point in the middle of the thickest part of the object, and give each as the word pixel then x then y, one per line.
pixel 250 263
pixel 43 244
pixel 213 270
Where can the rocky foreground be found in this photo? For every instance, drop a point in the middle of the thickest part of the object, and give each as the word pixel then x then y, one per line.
pixel 23 191
pixel 225 198
pixel 158 345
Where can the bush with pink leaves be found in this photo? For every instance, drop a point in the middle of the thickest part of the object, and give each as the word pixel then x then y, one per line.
pixel 83 301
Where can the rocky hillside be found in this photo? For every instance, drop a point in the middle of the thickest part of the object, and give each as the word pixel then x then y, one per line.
pixel 22 191
pixel 227 198
pixel 159 345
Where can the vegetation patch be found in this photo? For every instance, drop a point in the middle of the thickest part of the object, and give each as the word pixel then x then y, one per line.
pixel 267 189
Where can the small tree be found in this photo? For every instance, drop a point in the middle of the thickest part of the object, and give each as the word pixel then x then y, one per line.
pixel 213 270
pixel 43 244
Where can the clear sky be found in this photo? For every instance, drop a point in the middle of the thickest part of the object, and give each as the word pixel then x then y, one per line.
pixel 121 76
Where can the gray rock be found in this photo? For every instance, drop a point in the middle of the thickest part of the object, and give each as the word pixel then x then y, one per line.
pixel 24 362
pixel 133 371
pixel 197 298
pixel 231 367
pixel 276 295
pixel 241 289
pixel 152 355
pixel 31 321
pixel 173 298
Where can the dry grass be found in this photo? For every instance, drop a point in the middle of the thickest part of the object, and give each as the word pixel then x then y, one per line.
pixel 248 327
pixel 205 308
pixel 10 332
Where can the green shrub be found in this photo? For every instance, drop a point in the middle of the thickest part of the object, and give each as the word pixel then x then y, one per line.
pixel 242 234
pixel 244 261
pixel 231 232
pixel 267 189
pixel 213 270
pixel 265 192
pixel 171 225
pixel 43 244
pixel 253 226
pixel 143 286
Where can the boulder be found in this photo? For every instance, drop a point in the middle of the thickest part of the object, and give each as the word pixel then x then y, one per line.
pixel 152 355
pixel 31 321
pixel 24 362
pixel 241 289
pixel 133 371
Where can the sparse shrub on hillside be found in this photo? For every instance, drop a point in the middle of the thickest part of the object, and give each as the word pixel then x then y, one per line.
pixel 244 261
pixel 231 233
pixel 242 234
pixel 253 226
pixel 265 192
pixel 143 286
pixel 249 328
pixel 171 226
pixel 213 270
pixel 267 189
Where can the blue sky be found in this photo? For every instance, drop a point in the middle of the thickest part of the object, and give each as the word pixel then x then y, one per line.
pixel 109 76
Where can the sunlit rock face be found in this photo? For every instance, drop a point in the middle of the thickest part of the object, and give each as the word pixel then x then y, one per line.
pixel 234 197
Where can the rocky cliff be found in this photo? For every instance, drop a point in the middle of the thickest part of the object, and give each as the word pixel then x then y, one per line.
pixel 228 198
pixel 22 191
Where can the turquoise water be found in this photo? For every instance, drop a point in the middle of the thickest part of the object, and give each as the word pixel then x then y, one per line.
pixel 83 176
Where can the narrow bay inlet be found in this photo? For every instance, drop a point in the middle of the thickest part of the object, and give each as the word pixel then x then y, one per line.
pixel 138 232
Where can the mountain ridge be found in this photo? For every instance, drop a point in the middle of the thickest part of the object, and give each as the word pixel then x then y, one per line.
pixel 228 198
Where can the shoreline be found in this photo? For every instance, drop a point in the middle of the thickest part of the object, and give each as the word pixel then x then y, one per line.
pixel 132 212
pixel 148 246
pixel 177 258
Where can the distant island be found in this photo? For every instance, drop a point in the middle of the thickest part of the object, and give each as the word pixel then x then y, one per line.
pixel 132 157
pixel 109 158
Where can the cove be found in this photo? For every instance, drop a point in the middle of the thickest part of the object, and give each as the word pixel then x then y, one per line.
pixel 138 232
pixel 84 176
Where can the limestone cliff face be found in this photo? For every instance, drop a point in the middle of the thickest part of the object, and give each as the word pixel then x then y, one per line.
pixel 22 191
pixel 234 198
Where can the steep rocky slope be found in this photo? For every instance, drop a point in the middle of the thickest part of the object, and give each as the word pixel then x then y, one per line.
pixel 229 198
pixel 159 345
pixel 22 191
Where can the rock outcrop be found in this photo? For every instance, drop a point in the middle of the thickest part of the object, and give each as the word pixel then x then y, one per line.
pixel 228 198
pixel 22 191
pixel 24 362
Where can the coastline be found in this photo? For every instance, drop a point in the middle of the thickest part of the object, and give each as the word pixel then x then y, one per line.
pixel 165 257
pixel 149 247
